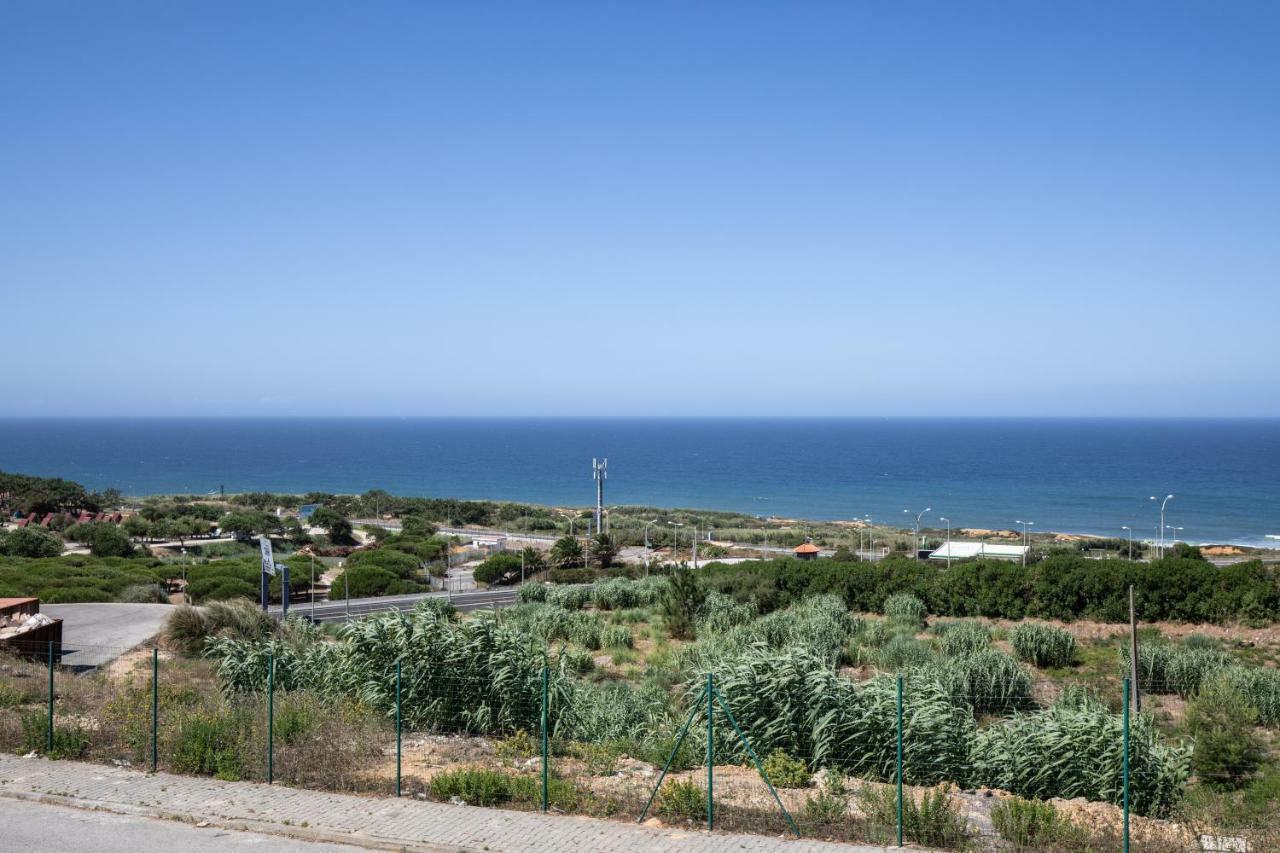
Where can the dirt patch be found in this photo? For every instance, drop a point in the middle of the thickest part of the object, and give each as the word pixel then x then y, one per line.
pixel 131 664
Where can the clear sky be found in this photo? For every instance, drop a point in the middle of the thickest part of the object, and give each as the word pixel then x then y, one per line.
pixel 646 208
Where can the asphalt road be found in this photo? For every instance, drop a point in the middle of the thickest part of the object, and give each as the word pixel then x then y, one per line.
pixel 337 611
pixel 93 634
pixel 38 827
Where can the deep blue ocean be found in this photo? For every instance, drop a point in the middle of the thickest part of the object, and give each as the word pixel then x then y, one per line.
pixel 1068 475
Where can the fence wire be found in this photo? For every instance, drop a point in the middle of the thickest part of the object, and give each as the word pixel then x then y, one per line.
pixel 440 730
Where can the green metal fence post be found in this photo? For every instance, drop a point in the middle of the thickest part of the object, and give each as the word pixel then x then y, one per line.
pixel 545 751
pixel 48 748
pixel 397 728
pixel 711 757
pixel 271 717
pixel 684 731
pixel 899 765
pixel 724 706
pixel 155 708
pixel 1126 766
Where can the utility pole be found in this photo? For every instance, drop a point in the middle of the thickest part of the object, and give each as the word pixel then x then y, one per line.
pixel 600 471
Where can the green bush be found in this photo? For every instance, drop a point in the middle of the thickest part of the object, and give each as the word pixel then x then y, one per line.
pixel 1061 586
pixel 476 786
pixel 965 638
pixel 905 609
pixel 1261 686
pixel 1076 750
pixel 69 741
pixel 679 800
pixel 615 637
pixel 1033 825
pixel 1220 720
pixel 500 568
pixel 786 772
pixel 931 820
pixel 30 542
pixel 791 699
pixel 186 630
pixel 144 594
pixel 904 651
pixel 1168 668
pixel 1043 645
pixel 989 680
pixel 208 743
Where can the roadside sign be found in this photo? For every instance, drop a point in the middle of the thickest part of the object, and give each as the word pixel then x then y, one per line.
pixel 268 562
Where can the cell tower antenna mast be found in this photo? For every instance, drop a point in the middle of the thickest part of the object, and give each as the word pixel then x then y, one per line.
pixel 599 470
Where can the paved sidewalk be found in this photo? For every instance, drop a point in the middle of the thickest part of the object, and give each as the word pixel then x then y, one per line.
pixel 379 823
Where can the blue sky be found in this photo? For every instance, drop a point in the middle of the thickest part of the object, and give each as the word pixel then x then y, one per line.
pixel 646 208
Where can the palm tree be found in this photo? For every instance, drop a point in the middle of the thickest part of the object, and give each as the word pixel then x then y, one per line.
pixel 604 549
pixel 566 553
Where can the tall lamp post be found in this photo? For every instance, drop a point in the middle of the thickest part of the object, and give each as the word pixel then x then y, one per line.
pixel 916 535
pixel 1176 531
pixel 1130 529
pixel 1026 540
pixel 871 542
pixel 948 521
pixel 648 552
pixel 1163 504
pixel 675 540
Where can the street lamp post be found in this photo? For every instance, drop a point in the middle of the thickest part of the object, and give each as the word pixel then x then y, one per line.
pixel 648 552
pixel 871 541
pixel 1163 503
pixel 1130 529
pixel 675 540
pixel 1026 539
pixel 916 535
pixel 948 521
pixel 1176 531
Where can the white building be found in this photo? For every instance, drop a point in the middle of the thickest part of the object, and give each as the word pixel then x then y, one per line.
pixel 970 550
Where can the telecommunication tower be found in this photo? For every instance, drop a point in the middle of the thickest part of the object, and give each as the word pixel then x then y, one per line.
pixel 599 470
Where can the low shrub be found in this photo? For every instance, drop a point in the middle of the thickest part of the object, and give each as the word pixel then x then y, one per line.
pixel 719 613
pixel 476 786
pixel 1168 668
pixel 931 819
pixel 1221 723
pixel 615 637
pixel 152 593
pixel 570 597
pixel 965 638
pixel 1261 687
pixel 786 772
pixel 905 609
pixel 990 680
pixel 517 747
pixel 238 620
pixel 69 741
pixel 1043 645
pixel 1033 825
pixel 679 800
pixel 208 743
pixel 186 630
pixel 904 651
